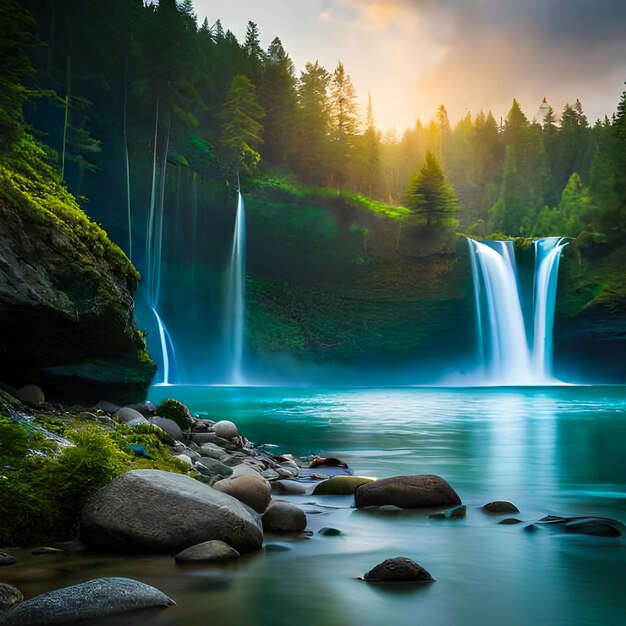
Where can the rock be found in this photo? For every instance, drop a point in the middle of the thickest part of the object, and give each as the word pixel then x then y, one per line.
pixel 202 438
pixel 288 487
pixel 9 597
pixel 595 526
pixel 284 472
pixel 46 550
pixel 225 429
pixel 175 410
pixel 245 470
pixel 66 303
pixel 215 550
pixel 318 461
pixel 509 521
pixel 408 492
pixel 212 451
pixel 152 510
pixel 169 426
pixel 146 408
pixel 185 459
pixel 330 532
pixel 7 559
pixel 100 597
pixel 108 407
pixel 251 490
pixel 340 485
pixel 32 395
pixel 271 474
pixel 126 414
pixel 137 421
pixel 73 545
pixel 211 467
pixel 283 517
pixel 499 506
pixel 398 570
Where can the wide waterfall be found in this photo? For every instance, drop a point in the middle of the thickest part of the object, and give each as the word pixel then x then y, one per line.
pixel 514 331
pixel 235 297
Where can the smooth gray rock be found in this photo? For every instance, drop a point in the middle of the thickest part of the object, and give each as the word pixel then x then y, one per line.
pixel 108 407
pixel 152 510
pixel 32 395
pixel 225 429
pixel 215 550
pixel 288 487
pixel 398 570
pixel 100 597
pixel 9 596
pixel 419 491
pixel 283 517
pixel 185 459
pixel 251 490
pixel 245 470
pixel 201 438
pixel 7 559
pixel 137 421
pixel 212 451
pixel 214 467
pixel 499 506
pixel 126 414
pixel 169 426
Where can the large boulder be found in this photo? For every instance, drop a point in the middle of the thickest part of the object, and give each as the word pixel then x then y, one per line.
pixel 66 300
pixel 100 597
pixel 419 491
pixel 152 510
pixel 340 485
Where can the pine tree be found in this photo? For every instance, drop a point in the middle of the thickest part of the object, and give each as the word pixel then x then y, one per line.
pixel 431 197
pixel 241 127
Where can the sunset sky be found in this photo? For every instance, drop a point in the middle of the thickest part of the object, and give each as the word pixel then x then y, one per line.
pixel 413 55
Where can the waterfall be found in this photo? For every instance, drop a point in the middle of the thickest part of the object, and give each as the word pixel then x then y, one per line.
pixel 508 353
pixel 235 297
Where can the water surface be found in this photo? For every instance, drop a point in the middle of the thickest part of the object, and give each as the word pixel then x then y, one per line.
pixel 551 450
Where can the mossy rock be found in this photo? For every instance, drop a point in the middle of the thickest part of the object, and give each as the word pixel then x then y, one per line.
pixel 176 411
pixel 340 485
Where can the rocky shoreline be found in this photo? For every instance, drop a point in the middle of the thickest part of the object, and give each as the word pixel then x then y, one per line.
pixel 219 498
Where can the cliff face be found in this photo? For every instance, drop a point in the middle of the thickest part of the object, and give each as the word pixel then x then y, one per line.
pixel 66 293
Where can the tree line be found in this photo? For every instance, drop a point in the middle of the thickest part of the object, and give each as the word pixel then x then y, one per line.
pixel 160 78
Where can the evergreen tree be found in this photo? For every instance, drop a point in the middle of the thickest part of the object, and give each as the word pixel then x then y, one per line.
pixel 313 123
pixel 278 97
pixel 241 127
pixel 431 197
pixel 345 122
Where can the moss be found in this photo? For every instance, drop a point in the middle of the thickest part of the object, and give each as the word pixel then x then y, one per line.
pixel 43 487
pixel 174 410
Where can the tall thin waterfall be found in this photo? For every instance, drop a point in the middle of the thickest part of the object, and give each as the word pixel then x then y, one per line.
pixel 235 297
pixel 509 353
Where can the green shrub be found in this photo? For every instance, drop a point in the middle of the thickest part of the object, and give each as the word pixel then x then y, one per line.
pixel 176 411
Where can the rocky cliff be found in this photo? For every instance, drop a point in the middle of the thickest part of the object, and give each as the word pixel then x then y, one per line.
pixel 66 292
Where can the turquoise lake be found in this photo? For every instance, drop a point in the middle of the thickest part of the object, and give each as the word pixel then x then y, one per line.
pixel 550 450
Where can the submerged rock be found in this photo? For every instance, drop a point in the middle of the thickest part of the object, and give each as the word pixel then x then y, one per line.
pixel 96 598
pixel 596 526
pixel 9 596
pixel 340 485
pixel 251 490
pixel 499 506
pixel 214 550
pixel 417 491
pixel 398 570
pixel 456 512
pixel 7 559
pixel 152 510
pixel 283 517
pixel 509 521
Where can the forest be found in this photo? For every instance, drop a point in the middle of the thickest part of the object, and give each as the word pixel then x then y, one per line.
pixel 169 86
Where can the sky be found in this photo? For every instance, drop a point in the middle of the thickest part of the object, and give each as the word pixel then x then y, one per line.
pixel 470 55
